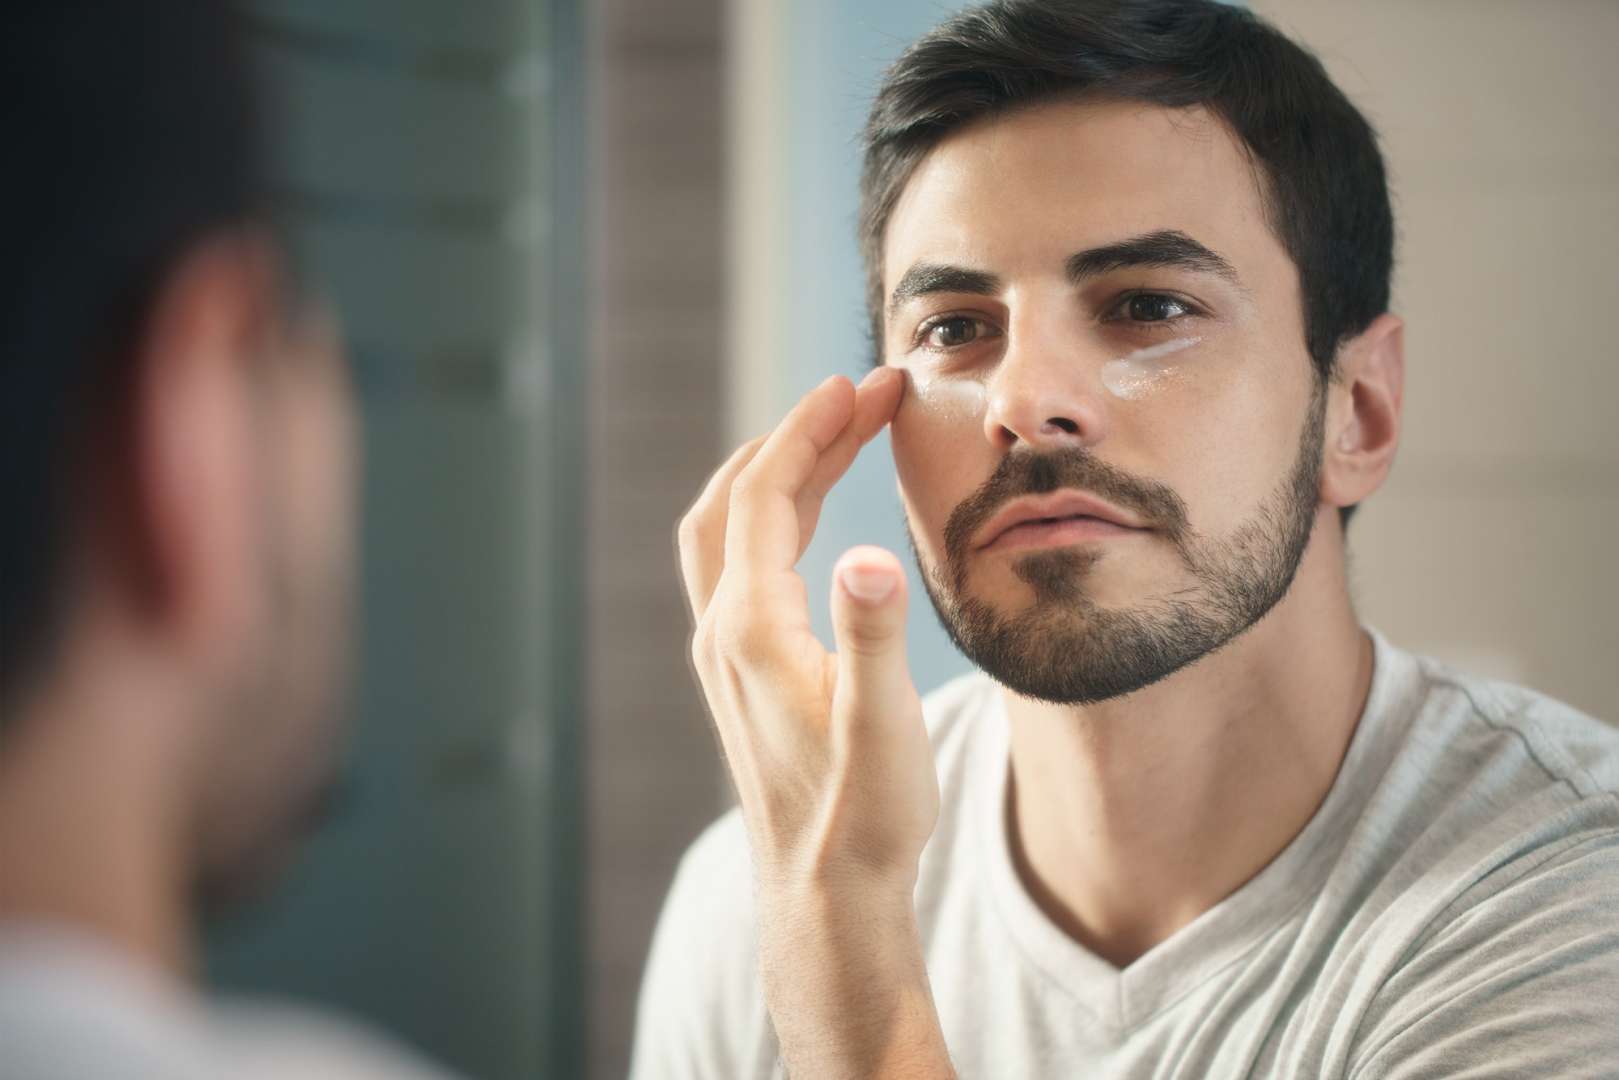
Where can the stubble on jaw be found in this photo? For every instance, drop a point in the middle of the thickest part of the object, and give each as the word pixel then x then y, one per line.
pixel 1063 646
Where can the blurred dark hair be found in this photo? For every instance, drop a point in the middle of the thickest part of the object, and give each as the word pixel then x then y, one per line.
pixel 131 133
pixel 1325 192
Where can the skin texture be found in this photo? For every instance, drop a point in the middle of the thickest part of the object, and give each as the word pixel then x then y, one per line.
pixel 176 743
pixel 1132 815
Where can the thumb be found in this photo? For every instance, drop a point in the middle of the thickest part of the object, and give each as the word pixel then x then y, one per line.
pixel 868 620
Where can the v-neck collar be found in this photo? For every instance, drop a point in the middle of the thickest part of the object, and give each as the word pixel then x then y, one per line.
pixel 1122 999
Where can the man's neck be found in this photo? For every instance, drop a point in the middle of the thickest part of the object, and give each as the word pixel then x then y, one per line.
pixel 89 836
pixel 1130 818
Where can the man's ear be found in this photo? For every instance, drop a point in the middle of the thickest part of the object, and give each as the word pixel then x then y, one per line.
pixel 1364 406
pixel 190 528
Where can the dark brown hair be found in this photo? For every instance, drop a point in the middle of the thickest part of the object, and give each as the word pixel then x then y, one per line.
pixel 1325 193
pixel 132 131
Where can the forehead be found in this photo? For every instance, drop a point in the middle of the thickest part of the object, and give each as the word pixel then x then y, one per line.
pixel 1029 188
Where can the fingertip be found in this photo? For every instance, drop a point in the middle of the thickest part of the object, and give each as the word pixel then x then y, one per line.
pixel 869 573
pixel 897 380
pixel 881 375
pixel 868 586
pixel 870 555
pixel 842 390
pixel 880 393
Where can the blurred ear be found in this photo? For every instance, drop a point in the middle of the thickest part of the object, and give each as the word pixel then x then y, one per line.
pixel 1363 413
pixel 191 508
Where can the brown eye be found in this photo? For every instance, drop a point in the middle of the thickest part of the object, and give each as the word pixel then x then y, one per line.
pixel 953 332
pixel 1156 307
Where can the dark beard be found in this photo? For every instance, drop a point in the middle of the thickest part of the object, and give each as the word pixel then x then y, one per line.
pixel 1065 648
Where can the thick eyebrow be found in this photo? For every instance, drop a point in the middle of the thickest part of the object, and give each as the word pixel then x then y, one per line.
pixel 924 278
pixel 1165 248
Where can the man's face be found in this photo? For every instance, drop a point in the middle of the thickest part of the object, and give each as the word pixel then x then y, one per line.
pixel 273 762
pixel 1098 324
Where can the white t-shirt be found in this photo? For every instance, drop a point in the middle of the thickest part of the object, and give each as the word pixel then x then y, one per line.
pixel 74 1009
pixel 1452 909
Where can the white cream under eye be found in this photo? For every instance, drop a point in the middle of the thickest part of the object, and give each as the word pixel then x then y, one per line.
pixel 1129 377
pixel 951 398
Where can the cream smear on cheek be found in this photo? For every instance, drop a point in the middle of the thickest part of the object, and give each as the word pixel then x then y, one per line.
pixel 950 398
pixel 1129 377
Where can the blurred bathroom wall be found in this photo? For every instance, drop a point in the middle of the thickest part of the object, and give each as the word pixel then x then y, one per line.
pixel 1491 544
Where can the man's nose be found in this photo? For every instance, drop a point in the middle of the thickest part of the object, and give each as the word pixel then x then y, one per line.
pixel 1045 394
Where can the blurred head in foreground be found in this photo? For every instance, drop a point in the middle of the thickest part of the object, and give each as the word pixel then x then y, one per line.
pixel 176 463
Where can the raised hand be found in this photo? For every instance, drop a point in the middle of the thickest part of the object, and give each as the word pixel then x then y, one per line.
pixel 830 759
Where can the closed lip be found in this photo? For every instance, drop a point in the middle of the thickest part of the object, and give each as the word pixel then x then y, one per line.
pixel 1053 507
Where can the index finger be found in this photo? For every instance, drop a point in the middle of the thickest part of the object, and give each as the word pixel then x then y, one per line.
pixel 877 398
pixel 700 539
pixel 762 533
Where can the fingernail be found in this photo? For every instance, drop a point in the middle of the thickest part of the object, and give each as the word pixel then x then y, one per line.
pixel 868 584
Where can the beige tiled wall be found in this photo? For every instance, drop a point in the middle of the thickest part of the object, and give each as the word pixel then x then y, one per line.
pixel 656 420
pixel 1493 545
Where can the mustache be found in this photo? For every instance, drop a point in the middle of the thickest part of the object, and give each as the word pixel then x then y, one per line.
pixel 1040 474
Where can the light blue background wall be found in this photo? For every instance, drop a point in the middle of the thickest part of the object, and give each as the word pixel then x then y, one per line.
pixel 835 53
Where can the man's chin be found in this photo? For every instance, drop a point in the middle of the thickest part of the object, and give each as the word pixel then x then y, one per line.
pixel 1070 659
pixel 244 877
pixel 1058 580
pixel 1044 637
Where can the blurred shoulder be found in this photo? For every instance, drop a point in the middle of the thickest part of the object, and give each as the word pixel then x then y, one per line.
pixel 272 1039
pixel 72 1006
